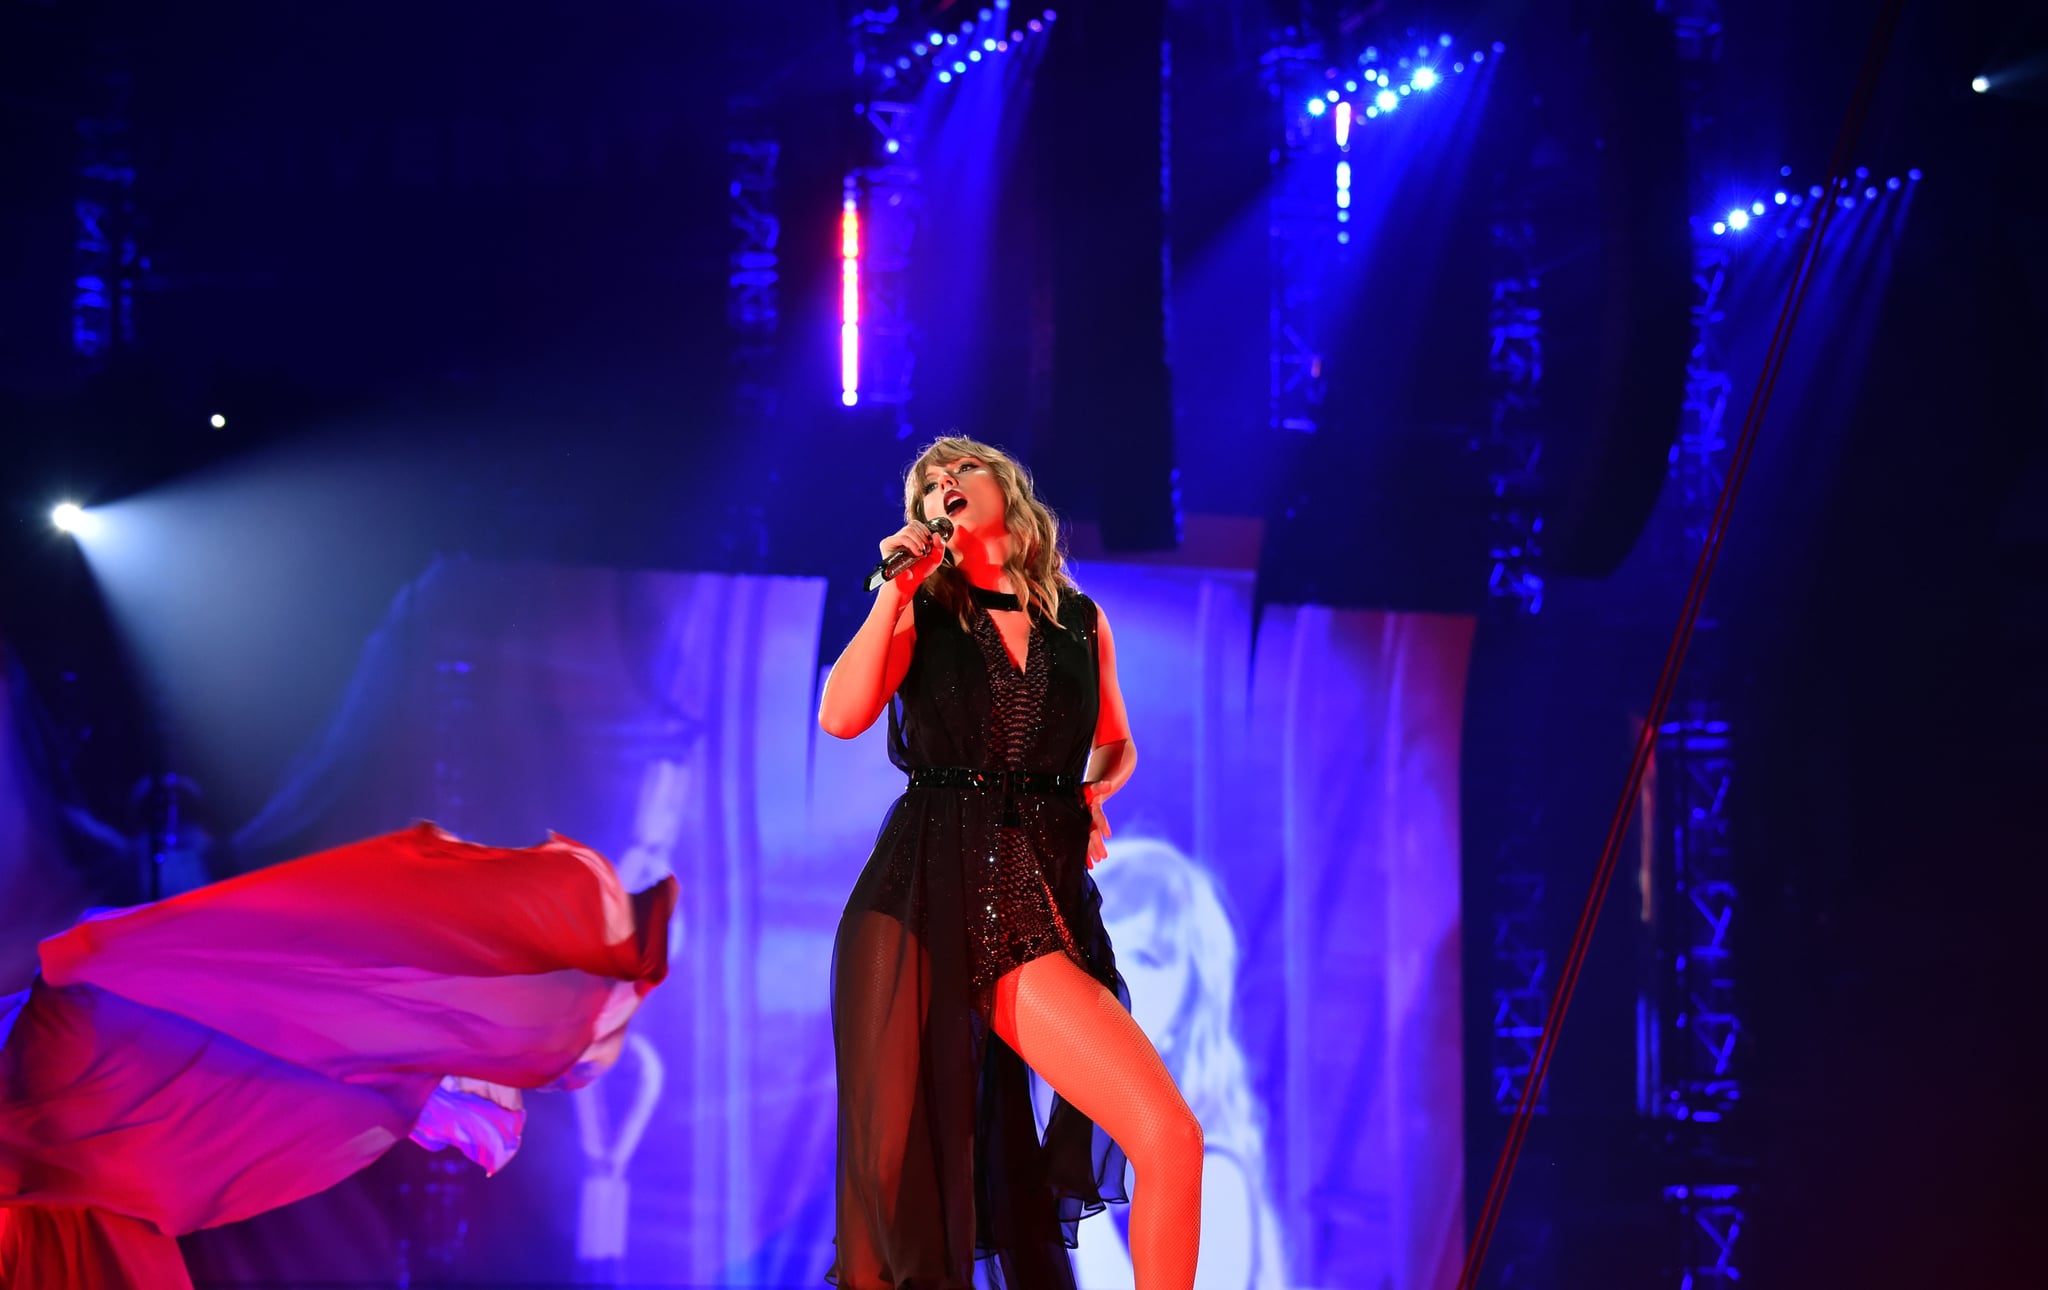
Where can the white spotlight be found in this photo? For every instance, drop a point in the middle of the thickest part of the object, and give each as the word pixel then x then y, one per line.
pixel 1981 84
pixel 217 421
pixel 75 520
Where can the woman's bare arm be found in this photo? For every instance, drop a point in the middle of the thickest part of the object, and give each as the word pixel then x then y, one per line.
pixel 870 667
pixel 1116 754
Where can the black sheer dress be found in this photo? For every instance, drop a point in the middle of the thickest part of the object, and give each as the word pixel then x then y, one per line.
pixel 981 867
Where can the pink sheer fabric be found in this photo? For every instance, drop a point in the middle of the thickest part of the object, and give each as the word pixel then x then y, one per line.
pixel 198 1061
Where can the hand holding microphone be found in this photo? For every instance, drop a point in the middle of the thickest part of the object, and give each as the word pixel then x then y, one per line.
pixel 910 554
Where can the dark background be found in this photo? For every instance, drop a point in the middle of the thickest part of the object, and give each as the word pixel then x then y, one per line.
pixel 483 250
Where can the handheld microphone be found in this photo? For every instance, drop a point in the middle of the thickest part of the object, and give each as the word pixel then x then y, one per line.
pixel 899 560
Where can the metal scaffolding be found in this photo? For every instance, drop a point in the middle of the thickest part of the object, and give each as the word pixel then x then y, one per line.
pixel 885 188
pixel 1300 243
pixel 107 262
pixel 753 273
pixel 1692 1042
pixel 1511 448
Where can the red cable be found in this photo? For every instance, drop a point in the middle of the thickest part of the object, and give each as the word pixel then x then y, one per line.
pixel 1774 358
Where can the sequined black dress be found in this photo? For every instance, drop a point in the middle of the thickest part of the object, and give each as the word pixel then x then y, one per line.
pixel 981 866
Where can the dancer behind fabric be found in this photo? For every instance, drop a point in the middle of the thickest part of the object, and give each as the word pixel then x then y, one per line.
pixel 198 1061
pixel 973 942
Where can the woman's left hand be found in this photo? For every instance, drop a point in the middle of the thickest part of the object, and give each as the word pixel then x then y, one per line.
pixel 1095 795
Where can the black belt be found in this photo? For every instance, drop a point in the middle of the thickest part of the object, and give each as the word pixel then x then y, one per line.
pixel 994 781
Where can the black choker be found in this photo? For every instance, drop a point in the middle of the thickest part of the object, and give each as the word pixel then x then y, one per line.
pixel 987 599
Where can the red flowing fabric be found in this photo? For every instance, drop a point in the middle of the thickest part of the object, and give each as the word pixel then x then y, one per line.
pixel 239 1047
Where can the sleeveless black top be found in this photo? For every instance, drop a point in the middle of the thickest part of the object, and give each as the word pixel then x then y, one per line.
pixel 981 866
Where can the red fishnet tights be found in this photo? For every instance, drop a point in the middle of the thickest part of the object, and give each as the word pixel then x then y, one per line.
pixel 1082 1042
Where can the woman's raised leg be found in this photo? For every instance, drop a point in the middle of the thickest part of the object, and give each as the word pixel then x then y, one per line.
pixel 1074 1033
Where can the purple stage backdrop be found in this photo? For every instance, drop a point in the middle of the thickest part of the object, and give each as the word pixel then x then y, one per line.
pixel 1283 891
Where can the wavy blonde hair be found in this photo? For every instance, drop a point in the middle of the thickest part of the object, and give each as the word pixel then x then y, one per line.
pixel 1037 564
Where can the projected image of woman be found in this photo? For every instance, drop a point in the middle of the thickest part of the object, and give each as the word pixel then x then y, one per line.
pixel 973 943
pixel 1179 953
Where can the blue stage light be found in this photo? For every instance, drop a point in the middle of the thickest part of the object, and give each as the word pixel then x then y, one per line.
pixel 989 46
pixel 920 49
pixel 959 68
pixel 1458 67
pixel 1425 78
pixel 1738 219
pixel 1756 208
pixel 1372 53
pixel 1387 100
pixel 1478 56
pixel 1351 86
pixel 1371 112
pixel 1863 172
pixel 1444 40
pixel 1892 183
pixel 1784 170
pixel 973 55
pixel 1316 107
pixel 1914 174
pixel 1814 191
pixel 1871 192
pixel 1333 96
pixel 1779 197
pixel 1499 48
pixel 1719 228
pixel 945 78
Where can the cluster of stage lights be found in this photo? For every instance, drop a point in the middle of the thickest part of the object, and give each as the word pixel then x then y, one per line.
pixel 1380 88
pixel 1849 190
pixel 950 55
